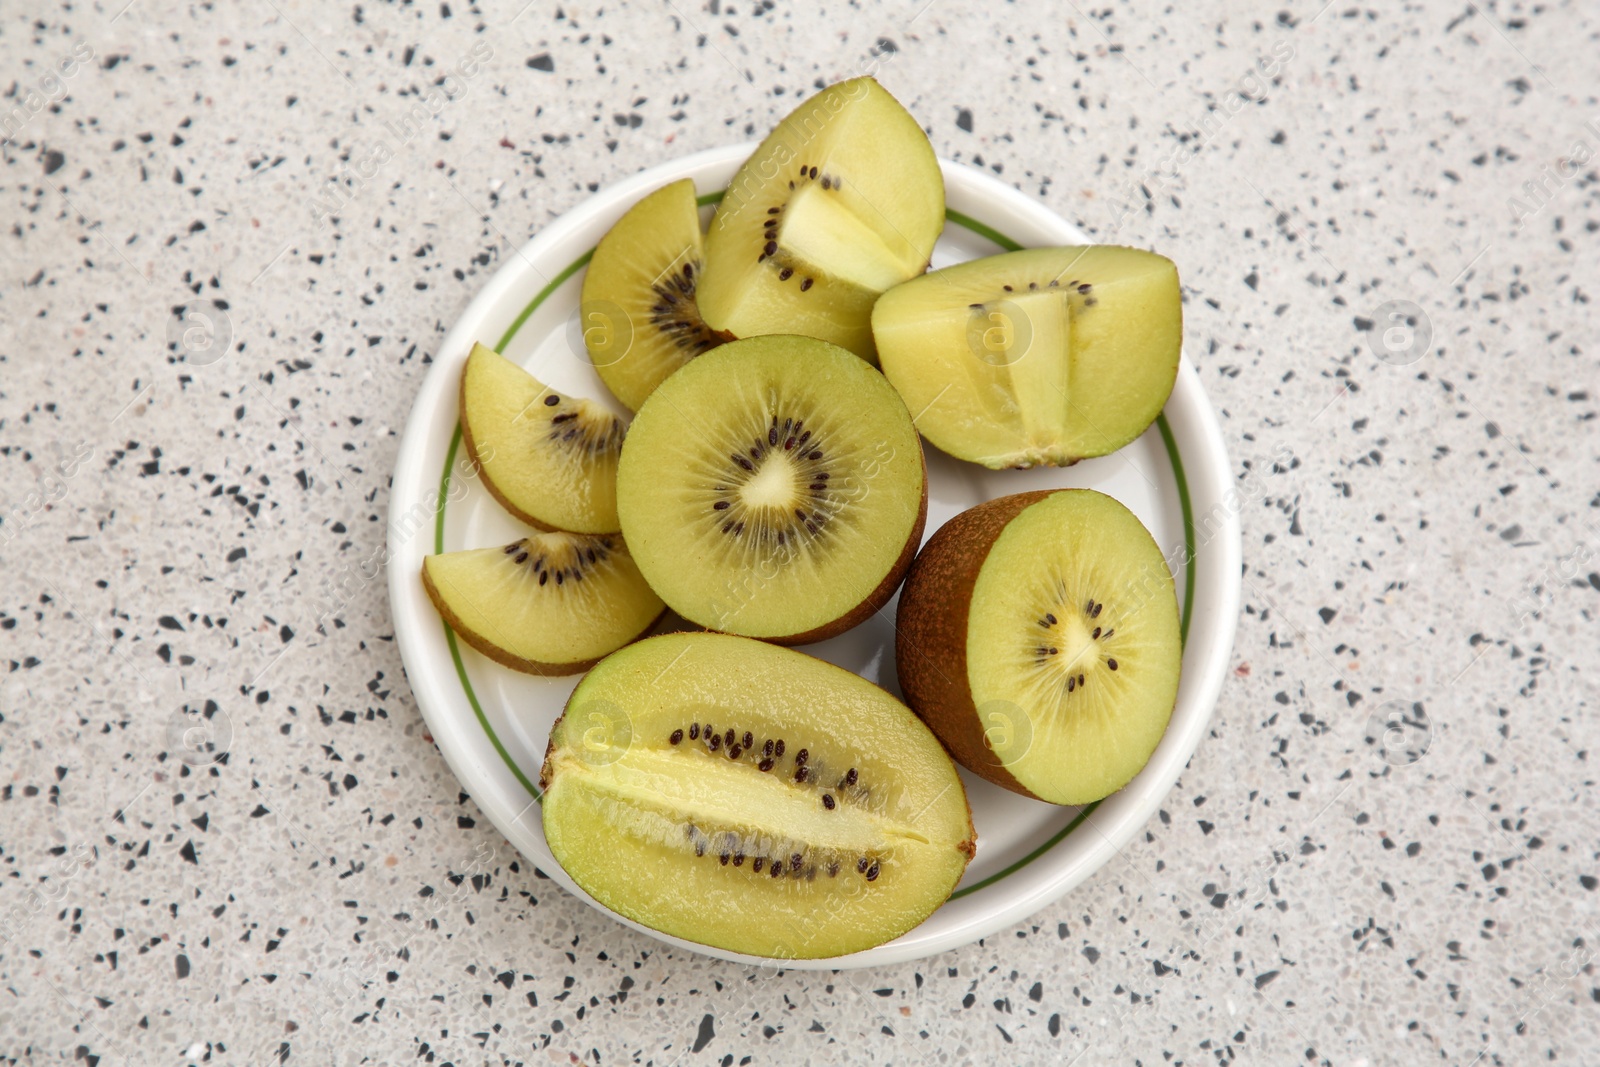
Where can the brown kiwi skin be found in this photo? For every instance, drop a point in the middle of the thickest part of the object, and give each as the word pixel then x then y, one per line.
pixel 879 596
pixel 930 647
pixel 506 659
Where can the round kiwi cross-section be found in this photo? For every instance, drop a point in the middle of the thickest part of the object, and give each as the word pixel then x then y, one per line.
pixel 549 603
pixel 639 317
pixel 752 798
pixel 1044 356
pixel 1038 636
pixel 841 201
pixel 549 459
pixel 773 488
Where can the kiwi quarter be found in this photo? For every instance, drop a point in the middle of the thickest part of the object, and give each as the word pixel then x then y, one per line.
pixel 1044 356
pixel 549 603
pixel 841 201
pixel 548 458
pixel 639 316
pixel 773 488
pixel 752 798
pixel 1038 637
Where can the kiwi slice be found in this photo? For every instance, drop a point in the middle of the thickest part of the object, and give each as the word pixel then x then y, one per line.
pixel 841 201
pixel 550 603
pixel 773 488
pixel 1044 356
pixel 1038 636
pixel 752 798
pixel 549 459
pixel 639 316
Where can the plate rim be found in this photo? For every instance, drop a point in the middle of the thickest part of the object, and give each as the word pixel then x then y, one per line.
pixel 1134 804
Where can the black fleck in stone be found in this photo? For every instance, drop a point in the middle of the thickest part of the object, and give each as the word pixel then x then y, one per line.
pixel 964 119
pixel 542 62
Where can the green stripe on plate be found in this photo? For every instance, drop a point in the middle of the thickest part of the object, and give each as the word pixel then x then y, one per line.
pixel 711 198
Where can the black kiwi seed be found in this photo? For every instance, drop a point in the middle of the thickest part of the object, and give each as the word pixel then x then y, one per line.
pixel 778 751
pixel 1085 287
pixel 872 872
pixel 748 740
pixel 694 731
pixel 801 775
pixel 1072 683
pixel 715 743
pixel 1096 633
pixel 1111 663
pixel 677 736
pixel 730 737
pixel 512 547
pixel 805 285
pixel 1007 288
pixel 723 859
pixel 721 505
pixel 522 557
pixel 755 864
pixel 813 172
pixel 827 183
pixel 777 869
pixel 1080 681
pixel 738 859
pixel 770 248
pixel 850 776
pixel 861 865
pixel 766 749
pixel 735 752
pixel 801 756
pixel 766 764
pixel 551 401
pixel 795 861
pixel 773 210
pixel 827 801
pixel 1096 613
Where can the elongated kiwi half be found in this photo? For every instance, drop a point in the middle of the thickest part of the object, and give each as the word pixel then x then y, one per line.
pixel 1044 356
pixel 752 798
pixel 550 603
pixel 841 201
pixel 1038 636
pixel 639 316
pixel 773 488
pixel 549 459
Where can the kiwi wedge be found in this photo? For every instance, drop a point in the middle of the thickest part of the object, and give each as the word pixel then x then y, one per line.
pixel 1038 637
pixel 549 603
pixel 752 798
pixel 1044 356
pixel 549 459
pixel 841 201
pixel 774 488
pixel 639 317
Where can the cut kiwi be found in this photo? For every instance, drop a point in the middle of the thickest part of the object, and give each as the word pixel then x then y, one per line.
pixel 1038 636
pixel 550 603
pixel 549 459
pixel 639 317
pixel 753 799
pixel 1045 356
pixel 843 200
pixel 773 488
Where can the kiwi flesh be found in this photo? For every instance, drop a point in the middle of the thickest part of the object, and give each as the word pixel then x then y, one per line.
pixel 1038 637
pixel 752 798
pixel 774 488
pixel 841 201
pixel 550 603
pixel 1044 356
pixel 548 458
pixel 639 316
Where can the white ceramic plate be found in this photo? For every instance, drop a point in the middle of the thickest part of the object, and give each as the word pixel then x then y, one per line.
pixel 492 723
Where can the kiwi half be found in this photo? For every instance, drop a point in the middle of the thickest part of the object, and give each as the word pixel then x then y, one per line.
pixel 773 488
pixel 1038 637
pixel 841 201
pixel 550 603
pixel 752 798
pixel 639 317
pixel 549 459
pixel 1044 356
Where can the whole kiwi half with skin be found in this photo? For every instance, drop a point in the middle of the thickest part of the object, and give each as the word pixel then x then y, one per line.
pixel 639 316
pixel 1044 356
pixel 1038 636
pixel 550 603
pixel 752 798
pixel 841 201
pixel 548 458
pixel 774 488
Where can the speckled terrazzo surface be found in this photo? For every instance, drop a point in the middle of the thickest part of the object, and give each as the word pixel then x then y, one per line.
pixel 1421 530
